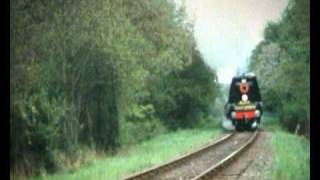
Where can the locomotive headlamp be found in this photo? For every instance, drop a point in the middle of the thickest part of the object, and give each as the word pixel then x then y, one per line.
pixel 257 113
pixel 254 124
pixel 244 97
pixel 233 114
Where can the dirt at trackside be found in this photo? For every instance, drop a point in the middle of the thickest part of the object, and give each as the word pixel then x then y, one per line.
pixel 254 164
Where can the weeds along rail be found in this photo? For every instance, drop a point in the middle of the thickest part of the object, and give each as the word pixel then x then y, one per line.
pixel 209 173
pixel 158 170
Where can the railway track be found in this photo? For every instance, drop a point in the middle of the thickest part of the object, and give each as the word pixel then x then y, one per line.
pixel 201 164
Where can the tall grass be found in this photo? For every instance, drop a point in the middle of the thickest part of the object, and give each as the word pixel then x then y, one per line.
pixel 291 156
pixel 291 153
pixel 135 158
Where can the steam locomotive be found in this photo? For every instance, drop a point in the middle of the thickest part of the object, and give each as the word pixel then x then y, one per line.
pixel 244 106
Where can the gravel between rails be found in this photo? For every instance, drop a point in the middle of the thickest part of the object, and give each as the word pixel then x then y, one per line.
pixel 253 164
pixel 197 165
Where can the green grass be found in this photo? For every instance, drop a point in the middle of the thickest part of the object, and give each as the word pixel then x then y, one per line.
pixel 146 154
pixel 291 153
pixel 291 156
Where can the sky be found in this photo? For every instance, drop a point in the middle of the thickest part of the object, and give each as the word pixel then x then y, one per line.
pixel 227 31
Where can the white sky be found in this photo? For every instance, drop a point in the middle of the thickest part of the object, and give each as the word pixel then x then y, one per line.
pixel 227 31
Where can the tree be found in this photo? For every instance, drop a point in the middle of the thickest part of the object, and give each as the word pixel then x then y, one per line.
pixel 282 62
pixel 93 73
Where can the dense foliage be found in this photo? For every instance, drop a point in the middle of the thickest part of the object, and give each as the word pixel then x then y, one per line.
pixel 100 74
pixel 282 64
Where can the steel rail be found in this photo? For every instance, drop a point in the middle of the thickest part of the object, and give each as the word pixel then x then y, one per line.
pixel 157 169
pixel 209 173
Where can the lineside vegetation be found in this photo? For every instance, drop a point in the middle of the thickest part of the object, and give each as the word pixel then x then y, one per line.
pixel 282 63
pixel 99 75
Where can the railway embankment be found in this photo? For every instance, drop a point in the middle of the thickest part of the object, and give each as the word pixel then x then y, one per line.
pixel 274 155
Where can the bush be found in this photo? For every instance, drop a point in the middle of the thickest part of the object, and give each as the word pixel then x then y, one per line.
pixel 135 132
pixel 35 131
pixel 209 122
pixel 292 114
pixel 140 124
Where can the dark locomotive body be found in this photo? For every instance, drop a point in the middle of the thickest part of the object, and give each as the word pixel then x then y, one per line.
pixel 244 106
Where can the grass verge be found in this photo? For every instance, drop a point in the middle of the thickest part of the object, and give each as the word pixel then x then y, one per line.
pixel 291 156
pixel 291 152
pixel 135 158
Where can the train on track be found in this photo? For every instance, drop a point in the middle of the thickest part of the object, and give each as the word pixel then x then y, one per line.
pixel 244 106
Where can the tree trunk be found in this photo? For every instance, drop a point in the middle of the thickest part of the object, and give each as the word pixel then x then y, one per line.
pixel 297 129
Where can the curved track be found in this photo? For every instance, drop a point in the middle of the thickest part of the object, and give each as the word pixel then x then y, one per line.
pixel 202 164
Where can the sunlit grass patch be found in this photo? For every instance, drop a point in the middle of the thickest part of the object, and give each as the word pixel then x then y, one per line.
pixel 291 156
pixel 146 154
